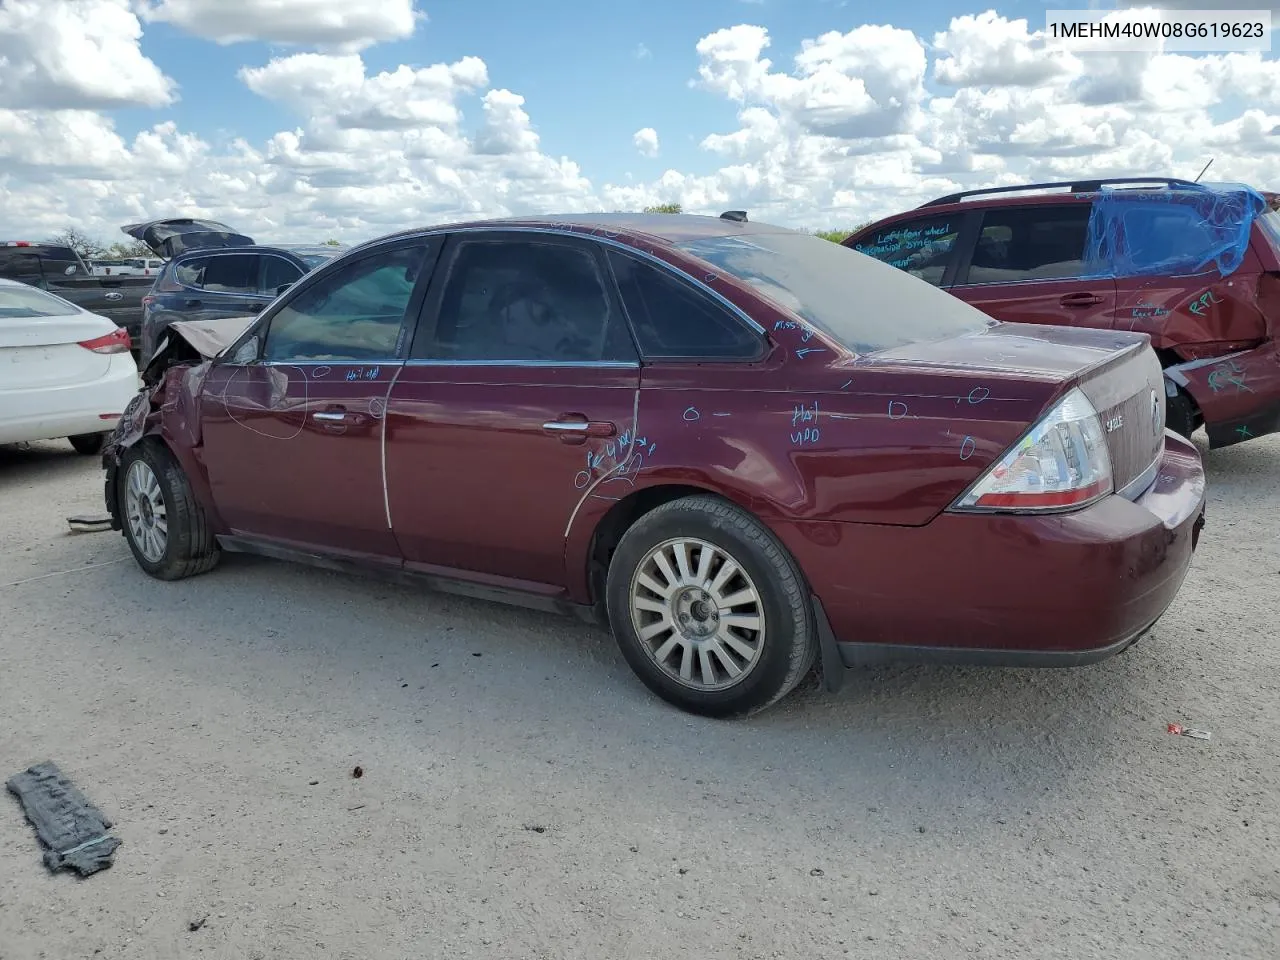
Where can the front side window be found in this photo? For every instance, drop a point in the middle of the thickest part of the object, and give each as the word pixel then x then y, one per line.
pixel 355 313
pixel 672 319
pixel 231 273
pixel 1030 243
pixel 530 300
pixel 922 248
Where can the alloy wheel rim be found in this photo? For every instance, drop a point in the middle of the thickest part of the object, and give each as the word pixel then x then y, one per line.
pixel 697 613
pixel 145 511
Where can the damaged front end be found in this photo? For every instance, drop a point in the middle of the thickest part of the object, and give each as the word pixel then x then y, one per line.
pixel 168 405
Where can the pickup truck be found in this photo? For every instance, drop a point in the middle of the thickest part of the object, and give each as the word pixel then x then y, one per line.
pixel 61 271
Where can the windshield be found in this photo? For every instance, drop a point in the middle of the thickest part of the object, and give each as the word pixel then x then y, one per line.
pixel 23 302
pixel 862 303
pixel 314 260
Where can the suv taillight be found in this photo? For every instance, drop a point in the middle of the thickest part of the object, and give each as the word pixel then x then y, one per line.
pixel 1061 464
pixel 117 341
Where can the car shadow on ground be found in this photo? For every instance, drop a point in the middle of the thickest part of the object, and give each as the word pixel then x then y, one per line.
pixel 39 462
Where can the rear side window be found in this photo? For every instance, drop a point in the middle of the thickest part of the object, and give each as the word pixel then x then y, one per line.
pixel 276 272
pixel 1030 243
pixel 536 301
pixel 922 248
pixel 672 319
pixel 231 273
pixel 190 273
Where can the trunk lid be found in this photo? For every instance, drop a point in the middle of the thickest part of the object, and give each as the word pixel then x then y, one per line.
pixel 1119 373
pixel 168 238
pixel 43 352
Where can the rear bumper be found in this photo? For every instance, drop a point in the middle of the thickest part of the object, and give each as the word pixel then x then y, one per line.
pixel 1009 590
pixel 1239 394
pixel 50 413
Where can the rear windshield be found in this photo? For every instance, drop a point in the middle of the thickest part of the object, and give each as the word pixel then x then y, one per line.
pixel 860 302
pixel 24 302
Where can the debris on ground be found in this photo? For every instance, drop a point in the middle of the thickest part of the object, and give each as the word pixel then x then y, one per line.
pixel 95 524
pixel 195 925
pixel 358 772
pixel 1178 730
pixel 73 831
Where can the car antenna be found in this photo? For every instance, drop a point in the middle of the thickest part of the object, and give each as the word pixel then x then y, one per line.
pixel 1201 173
pixel 739 215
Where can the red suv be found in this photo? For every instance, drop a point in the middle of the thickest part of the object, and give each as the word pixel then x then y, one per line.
pixel 1195 267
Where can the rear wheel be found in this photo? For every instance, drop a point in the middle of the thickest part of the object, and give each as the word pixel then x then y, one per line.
pixel 709 609
pixel 88 443
pixel 162 520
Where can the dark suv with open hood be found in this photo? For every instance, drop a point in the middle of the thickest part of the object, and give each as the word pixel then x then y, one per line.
pixel 214 271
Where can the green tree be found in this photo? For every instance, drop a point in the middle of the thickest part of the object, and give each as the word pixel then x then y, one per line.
pixel 129 249
pixel 332 243
pixel 664 208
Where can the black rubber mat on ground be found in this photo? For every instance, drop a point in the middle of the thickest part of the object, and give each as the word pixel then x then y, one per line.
pixel 72 830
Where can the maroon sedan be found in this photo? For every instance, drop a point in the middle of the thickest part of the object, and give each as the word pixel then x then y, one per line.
pixel 747 450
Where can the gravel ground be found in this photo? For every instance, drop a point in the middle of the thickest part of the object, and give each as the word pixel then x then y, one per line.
pixel 524 797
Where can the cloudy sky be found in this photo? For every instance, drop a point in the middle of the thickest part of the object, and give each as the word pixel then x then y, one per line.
pixel 299 120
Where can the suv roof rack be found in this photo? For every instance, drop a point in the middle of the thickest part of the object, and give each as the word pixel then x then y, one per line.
pixel 1077 186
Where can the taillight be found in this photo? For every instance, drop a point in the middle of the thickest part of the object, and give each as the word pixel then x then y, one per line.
pixel 1061 464
pixel 117 341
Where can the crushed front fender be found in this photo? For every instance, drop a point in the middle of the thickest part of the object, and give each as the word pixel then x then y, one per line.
pixel 1238 394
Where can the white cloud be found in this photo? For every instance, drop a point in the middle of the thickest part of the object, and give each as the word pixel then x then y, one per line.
pixel 837 130
pixel 988 50
pixel 342 24
pixel 335 86
pixel 76 54
pixel 646 141
pixel 642 52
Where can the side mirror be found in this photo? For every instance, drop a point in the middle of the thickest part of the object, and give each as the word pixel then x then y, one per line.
pixel 247 353
pixel 283 287
pixel 70 271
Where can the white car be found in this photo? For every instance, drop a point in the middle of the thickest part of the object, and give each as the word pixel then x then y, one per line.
pixel 64 372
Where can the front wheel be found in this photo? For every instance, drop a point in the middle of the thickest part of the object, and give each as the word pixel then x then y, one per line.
pixel 709 609
pixel 163 522
pixel 1181 415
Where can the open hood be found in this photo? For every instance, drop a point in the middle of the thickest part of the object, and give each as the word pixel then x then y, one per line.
pixel 168 238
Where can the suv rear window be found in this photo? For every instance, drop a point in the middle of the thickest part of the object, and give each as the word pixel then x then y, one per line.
pixel 860 302
pixel 1030 243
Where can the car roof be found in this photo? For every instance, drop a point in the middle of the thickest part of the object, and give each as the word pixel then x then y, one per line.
pixel 664 227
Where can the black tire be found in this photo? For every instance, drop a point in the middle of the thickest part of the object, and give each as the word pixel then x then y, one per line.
pixel 189 546
pixel 88 443
pixel 1181 415
pixel 786 649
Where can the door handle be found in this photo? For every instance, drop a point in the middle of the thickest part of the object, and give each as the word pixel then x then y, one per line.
pixel 575 428
pixel 192 303
pixel 329 415
pixel 1080 300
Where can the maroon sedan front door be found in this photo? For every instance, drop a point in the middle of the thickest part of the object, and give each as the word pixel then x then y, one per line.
pixel 1025 268
pixel 293 425
pixel 522 354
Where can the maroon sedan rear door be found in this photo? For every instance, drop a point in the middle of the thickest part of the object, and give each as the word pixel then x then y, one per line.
pixel 1025 267
pixel 522 354
pixel 293 425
